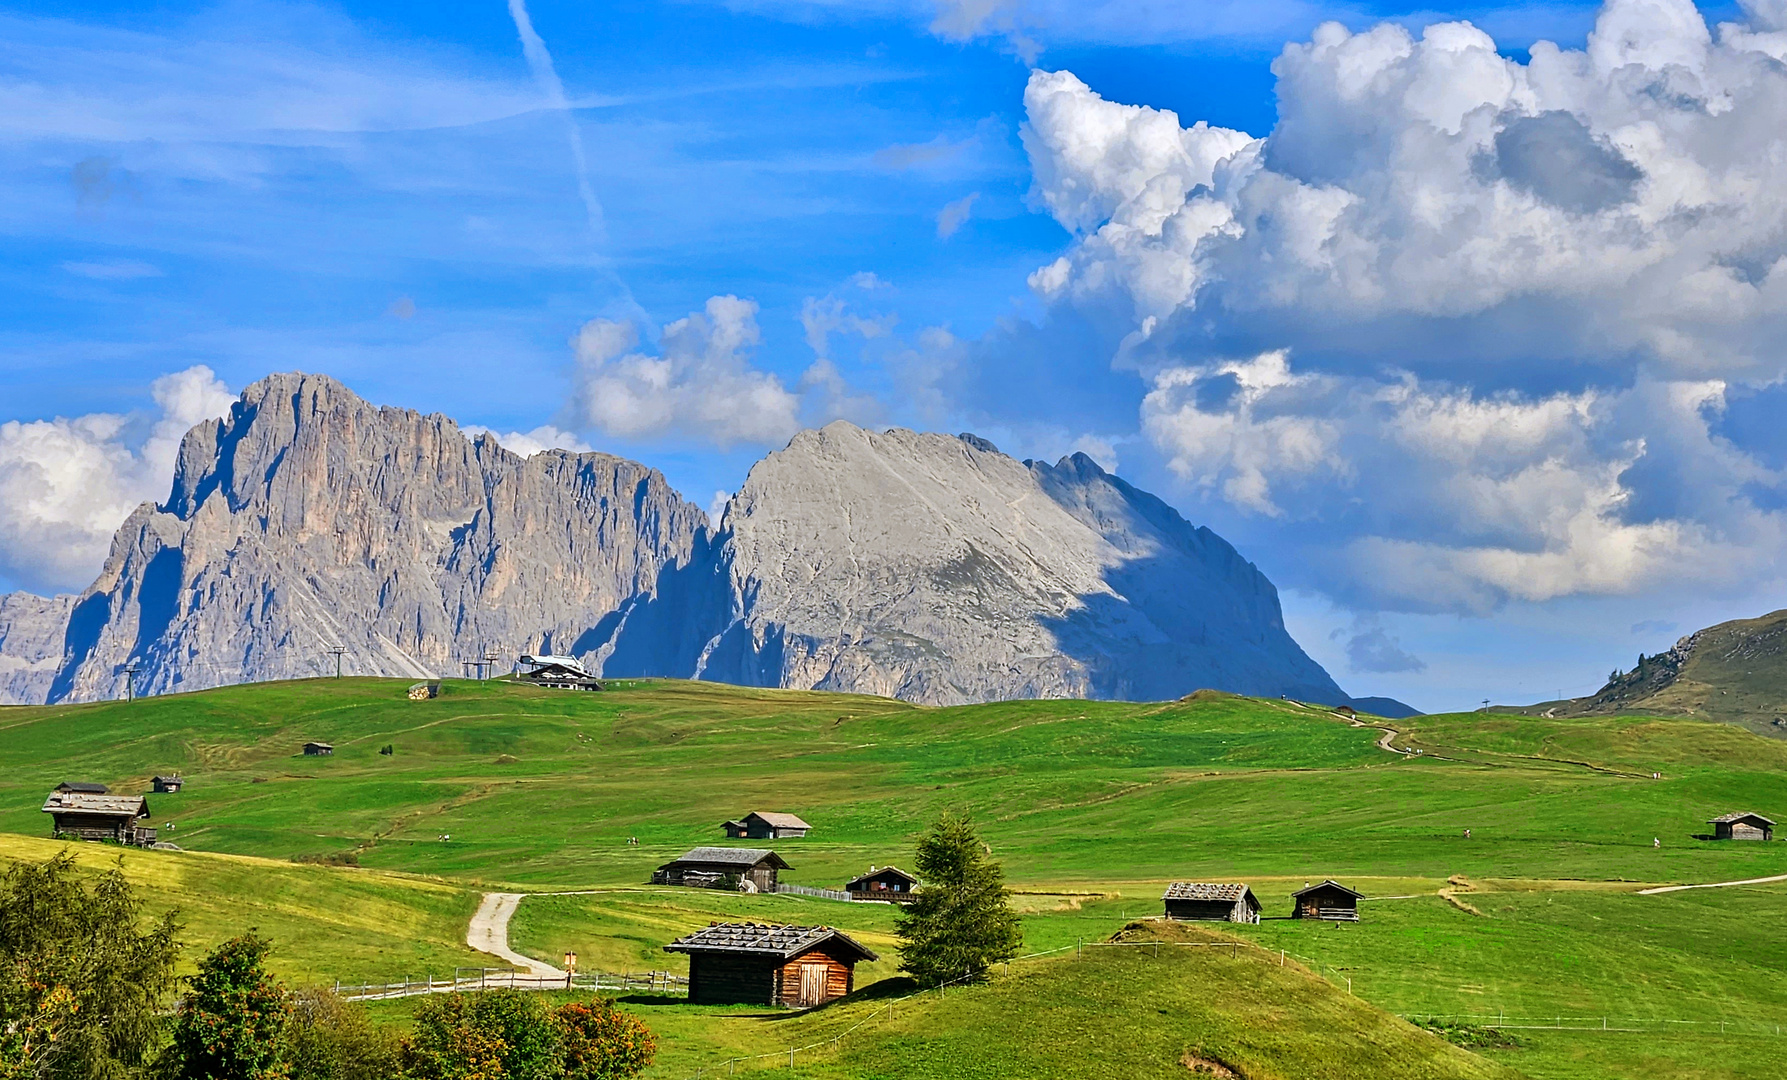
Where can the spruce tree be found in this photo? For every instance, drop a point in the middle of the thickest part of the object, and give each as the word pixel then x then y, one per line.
pixel 960 922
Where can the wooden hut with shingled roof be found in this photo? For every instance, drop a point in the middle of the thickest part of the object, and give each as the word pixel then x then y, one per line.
pixel 762 964
pixel 723 868
pixel 1742 826
pixel 1329 900
pixel 1211 902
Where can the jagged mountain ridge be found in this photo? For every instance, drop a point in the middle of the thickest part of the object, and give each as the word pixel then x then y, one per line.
pixel 308 519
pixel 935 568
pixel 928 567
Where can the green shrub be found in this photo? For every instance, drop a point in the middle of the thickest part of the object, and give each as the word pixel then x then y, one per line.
pixel 82 989
pixel 492 1035
pixel 232 1023
pixel 602 1042
pixel 332 1039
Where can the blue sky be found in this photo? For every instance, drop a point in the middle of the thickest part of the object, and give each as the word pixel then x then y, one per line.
pixel 385 192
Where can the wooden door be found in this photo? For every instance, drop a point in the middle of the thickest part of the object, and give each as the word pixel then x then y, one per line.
pixel 812 984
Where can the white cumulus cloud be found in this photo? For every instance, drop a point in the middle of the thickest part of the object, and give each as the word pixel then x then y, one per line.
pixel 67 484
pixel 700 384
pixel 1639 185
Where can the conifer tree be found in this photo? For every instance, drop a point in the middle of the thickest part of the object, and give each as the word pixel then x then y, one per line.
pixel 960 922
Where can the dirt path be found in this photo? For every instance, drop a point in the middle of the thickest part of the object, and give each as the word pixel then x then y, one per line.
pixel 1712 885
pixel 489 933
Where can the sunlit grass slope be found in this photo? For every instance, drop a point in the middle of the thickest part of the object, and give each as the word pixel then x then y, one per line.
pixel 545 787
pixel 324 921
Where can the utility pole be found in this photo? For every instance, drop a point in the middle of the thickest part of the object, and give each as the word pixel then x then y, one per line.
pixel 1485 704
pixel 130 682
pixel 336 652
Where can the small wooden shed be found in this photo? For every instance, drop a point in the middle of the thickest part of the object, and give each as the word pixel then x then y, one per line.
pixel 168 785
pixel 1744 826
pixel 1329 900
pixel 723 868
pixel 888 883
pixel 767 825
pixel 1212 902
pixel 81 816
pixel 318 749
pixel 762 964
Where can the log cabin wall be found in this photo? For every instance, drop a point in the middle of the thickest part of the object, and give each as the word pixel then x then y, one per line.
pixel 840 978
pixel 1203 910
pixel 722 979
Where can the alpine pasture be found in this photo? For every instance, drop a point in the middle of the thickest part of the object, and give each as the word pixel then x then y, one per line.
pixel 1092 807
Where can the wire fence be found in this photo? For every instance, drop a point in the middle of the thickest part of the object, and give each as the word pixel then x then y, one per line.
pixel 1623 1024
pixel 471 980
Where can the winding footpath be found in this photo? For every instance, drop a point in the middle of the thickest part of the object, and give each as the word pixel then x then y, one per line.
pixel 489 933
pixel 1712 885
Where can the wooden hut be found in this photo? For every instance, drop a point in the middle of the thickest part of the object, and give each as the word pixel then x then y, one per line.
pixel 81 816
pixel 888 883
pixel 318 749
pixel 1330 900
pixel 558 673
pixel 1744 826
pixel 168 785
pixel 767 825
pixel 82 787
pixel 1211 902
pixel 723 868
pixel 756 964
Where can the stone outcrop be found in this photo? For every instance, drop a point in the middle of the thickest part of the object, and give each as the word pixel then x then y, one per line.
pixel 309 519
pixel 31 632
pixel 936 569
pixel 927 567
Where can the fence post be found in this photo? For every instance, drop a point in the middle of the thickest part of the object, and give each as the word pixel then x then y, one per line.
pixel 791 1057
pixel 1281 958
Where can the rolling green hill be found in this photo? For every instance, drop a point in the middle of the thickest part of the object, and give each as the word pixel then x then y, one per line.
pixel 1735 672
pixel 1091 806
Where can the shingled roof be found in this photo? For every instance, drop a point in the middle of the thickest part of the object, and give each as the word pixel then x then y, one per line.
pixel 75 802
pixel 1329 884
pixel 1729 819
pixel 780 821
pixel 1204 890
pixel 765 939
pixel 732 856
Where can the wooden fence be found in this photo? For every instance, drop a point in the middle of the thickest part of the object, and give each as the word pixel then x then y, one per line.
pixel 471 980
pixel 808 890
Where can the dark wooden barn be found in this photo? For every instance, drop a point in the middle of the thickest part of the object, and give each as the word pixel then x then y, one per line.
pixel 81 816
pixel 756 964
pixel 1743 826
pixel 767 825
pixel 318 749
pixel 1329 900
pixel 888 883
pixel 723 868
pixel 558 673
pixel 1213 902
pixel 168 785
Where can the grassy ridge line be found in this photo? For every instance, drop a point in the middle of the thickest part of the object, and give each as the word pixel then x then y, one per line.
pixel 1068 790
pixel 326 922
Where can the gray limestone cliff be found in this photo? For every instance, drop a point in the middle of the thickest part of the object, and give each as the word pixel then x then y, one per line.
pixel 926 567
pixel 936 569
pixel 31 632
pixel 309 519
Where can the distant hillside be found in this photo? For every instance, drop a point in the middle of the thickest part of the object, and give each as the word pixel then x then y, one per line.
pixel 1735 672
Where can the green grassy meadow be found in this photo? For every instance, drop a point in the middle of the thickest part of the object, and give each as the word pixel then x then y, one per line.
pixel 1092 807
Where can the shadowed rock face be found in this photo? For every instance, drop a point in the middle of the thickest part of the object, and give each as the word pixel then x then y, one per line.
pixel 309 518
pixel 31 631
pixel 936 569
pixel 927 567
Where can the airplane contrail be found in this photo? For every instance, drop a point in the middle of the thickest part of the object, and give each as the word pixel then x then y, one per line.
pixel 546 77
